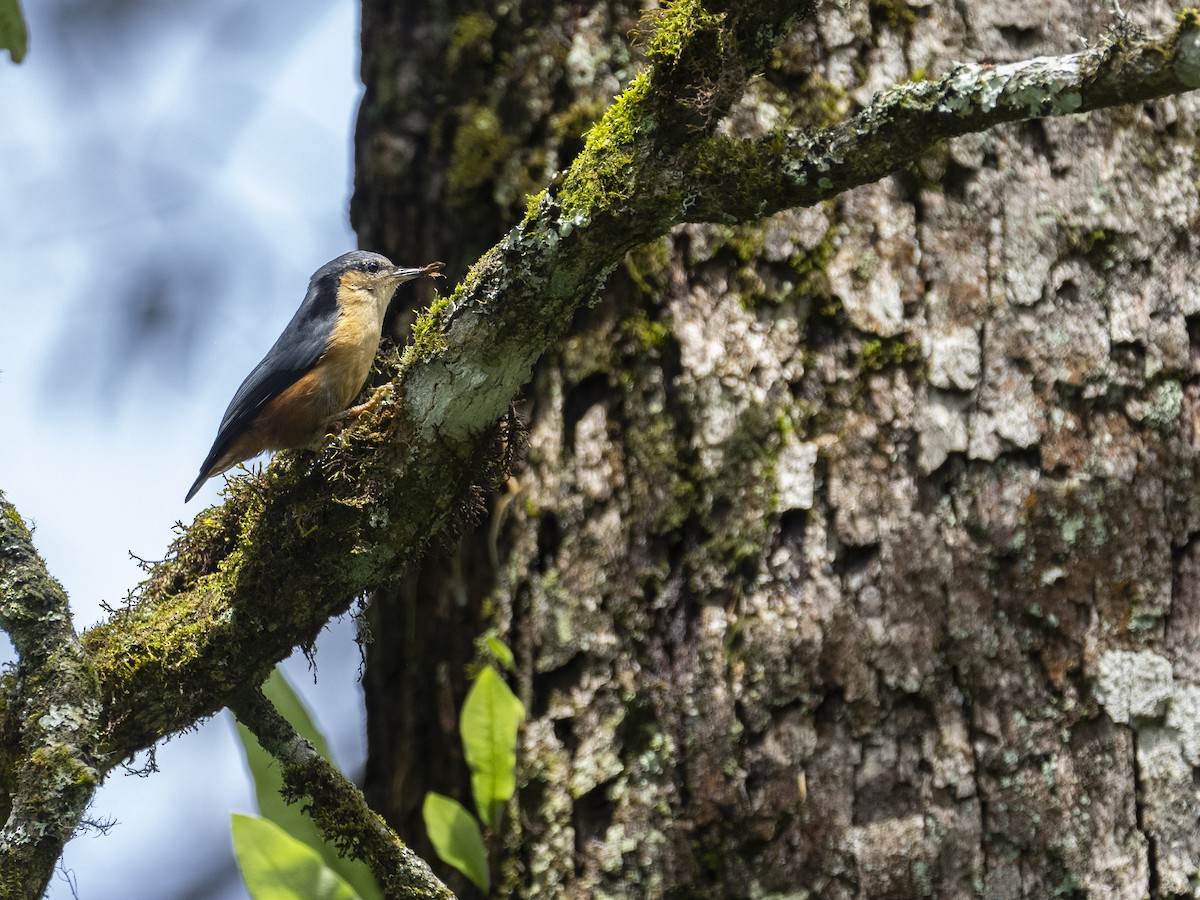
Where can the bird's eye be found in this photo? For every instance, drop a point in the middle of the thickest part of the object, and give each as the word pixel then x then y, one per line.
pixel 373 267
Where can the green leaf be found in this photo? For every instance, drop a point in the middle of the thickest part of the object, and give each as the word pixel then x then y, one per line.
pixel 276 866
pixel 13 35
pixel 490 717
pixel 268 780
pixel 501 652
pixel 455 836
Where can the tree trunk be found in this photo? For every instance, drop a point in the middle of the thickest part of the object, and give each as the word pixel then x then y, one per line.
pixel 852 552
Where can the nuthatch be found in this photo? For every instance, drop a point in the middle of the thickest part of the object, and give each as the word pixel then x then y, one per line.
pixel 305 382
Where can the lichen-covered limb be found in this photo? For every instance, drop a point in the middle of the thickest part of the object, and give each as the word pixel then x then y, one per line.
pixel 743 180
pixel 51 717
pixel 337 805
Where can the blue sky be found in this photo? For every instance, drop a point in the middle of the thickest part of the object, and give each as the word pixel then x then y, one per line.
pixel 170 175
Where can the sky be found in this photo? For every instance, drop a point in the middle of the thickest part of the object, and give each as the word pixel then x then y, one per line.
pixel 170 175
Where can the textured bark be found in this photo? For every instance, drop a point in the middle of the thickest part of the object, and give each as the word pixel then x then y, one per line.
pixel 854 548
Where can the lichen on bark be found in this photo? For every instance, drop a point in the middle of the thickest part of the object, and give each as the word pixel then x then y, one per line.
pixel 828 518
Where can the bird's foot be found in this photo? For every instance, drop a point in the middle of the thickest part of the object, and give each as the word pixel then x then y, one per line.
pixel 336 423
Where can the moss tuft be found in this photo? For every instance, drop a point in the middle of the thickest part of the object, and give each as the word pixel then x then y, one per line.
pixel 1097 245
pixel 677 23
pixel 812 270
pixel 533 205
pixel 649 335
pixel 601 178
pixel 471 39
pixel 649 266
pixel 428 339
pixel 893 13
pixel 885 353
pixel 480 146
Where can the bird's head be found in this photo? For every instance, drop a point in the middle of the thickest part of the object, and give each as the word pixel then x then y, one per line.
pixel 375 274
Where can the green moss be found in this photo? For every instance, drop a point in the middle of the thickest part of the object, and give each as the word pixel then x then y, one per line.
pixel 746 241
pixel 722 153
pixel 683 497
pixel 831 308
pixel 744 482
pixel 894 13
pixel 480 146
pixel 649 267
pixel 602 177
pixel 533 204
pixel 676 24
pixel 471 39
pixel 654 456
pixel 573 122
pixel 878 354
pixel 15 520
pixel 1095 244
pixel 428 340
pixel 820 103
pixel 785 424
pixel 649 335
pixel 61 758
pixel 811 269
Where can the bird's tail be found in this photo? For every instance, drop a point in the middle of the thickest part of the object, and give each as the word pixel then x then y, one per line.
pixel 204 476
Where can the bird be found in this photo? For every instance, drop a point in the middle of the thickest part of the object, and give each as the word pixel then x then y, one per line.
pixel 320 362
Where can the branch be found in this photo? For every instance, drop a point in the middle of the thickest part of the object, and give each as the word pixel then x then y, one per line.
pixel 53 706
pixel 746 180
pixel 336 805
pixel 264 572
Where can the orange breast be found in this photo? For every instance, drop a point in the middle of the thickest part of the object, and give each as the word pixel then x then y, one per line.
pixel 298 416
pixel 352 346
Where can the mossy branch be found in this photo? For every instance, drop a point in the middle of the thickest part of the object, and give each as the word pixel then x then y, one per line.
pixel 264 572
pixel 52 713
pixel 336 805
pixel 738 180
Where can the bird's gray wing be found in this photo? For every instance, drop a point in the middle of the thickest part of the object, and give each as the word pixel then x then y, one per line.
pixel 294 353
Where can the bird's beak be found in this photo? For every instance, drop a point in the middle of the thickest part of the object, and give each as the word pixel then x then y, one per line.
pixel 402 274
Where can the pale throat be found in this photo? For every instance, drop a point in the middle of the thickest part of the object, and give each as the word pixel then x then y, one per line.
pixel 355 338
